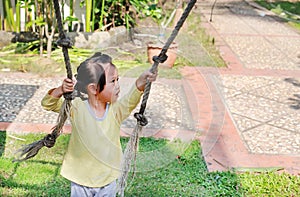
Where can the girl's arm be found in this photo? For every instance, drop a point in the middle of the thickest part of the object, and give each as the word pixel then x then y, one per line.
pixel 128 102
pixel 52 101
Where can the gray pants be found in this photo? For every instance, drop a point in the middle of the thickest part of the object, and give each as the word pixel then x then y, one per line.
pixel 82 191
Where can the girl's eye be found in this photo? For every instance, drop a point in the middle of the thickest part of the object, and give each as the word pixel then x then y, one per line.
pixel 114 80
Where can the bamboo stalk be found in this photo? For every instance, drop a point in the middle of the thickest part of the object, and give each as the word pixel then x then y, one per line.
pixel 71 13
pixel 1 15
pixel 101 25
pixel 1 21
pixel 18 17
pixel 88 6
pixel 8 11
pixel 93 15
pixel 26 15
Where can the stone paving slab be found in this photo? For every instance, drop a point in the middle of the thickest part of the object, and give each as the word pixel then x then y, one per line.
pixel 267 139
pixel 290 47
pixel 268 26
pixel 263 113
pixel 231 25
pixel 250 49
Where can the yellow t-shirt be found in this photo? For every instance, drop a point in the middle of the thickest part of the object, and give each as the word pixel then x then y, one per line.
pixel 94 153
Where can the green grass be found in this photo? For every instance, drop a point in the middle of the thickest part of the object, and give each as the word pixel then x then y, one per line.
pixel 32 62
pixel 290 11
pixel 270 184
pixel 129 65
pixel 179 170
pixel 55 66
pixel 37 177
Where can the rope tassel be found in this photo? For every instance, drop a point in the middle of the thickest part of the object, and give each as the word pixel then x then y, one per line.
pixel 129 155
pixel 31 150
pixel 131 148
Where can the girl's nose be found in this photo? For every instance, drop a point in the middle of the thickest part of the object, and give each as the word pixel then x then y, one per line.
pixel 117 85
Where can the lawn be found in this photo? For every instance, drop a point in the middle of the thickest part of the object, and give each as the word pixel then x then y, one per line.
pixel 287 10
pixel 179 170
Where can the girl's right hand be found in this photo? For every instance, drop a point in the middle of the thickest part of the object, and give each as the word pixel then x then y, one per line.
pixel 67 85
pixel 144 77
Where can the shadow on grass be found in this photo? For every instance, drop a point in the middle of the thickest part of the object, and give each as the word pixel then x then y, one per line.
pixel 2 142
pixel 13 183
pixel 55 187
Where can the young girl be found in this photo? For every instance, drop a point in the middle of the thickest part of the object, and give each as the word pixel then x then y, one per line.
pixel 93 158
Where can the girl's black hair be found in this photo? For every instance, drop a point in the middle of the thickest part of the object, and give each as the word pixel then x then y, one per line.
pixel 92 71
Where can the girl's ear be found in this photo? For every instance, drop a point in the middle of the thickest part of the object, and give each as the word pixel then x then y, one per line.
pixel 92 88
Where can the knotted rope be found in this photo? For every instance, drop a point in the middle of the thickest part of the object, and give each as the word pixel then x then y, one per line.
pixel 131 147
pixel 30 150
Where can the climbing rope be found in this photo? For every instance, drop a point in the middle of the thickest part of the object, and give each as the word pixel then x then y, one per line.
pixel 30 150
pixel 131 147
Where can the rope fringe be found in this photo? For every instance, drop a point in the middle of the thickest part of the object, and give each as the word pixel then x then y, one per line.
pixel 129 156
pixel 31 150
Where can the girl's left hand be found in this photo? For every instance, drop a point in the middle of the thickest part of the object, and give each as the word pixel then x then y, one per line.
pixel 144 77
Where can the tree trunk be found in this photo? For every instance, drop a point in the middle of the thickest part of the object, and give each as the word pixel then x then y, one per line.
pixel 49 43
pixel 41 40
pixel 49 39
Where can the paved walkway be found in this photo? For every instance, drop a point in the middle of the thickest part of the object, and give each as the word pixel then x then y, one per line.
pixel 245 115
pixel 252 107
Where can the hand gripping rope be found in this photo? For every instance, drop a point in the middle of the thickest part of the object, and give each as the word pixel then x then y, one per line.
pixel 131 148
pixel 30 150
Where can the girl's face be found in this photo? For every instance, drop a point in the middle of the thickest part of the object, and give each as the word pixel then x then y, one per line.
pixel 111 90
